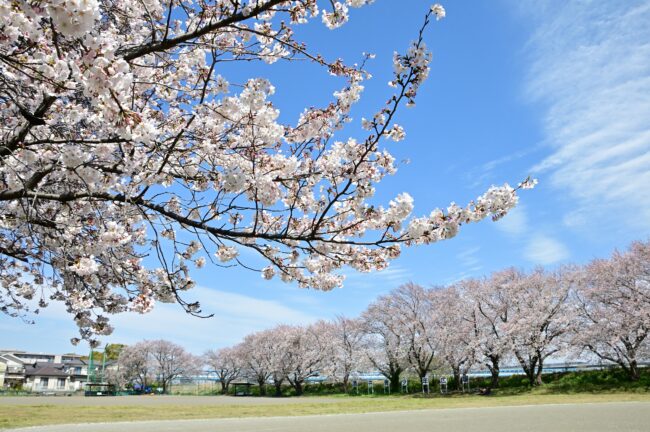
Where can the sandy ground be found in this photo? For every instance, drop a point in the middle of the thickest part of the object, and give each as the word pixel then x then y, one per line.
pixel 605 417
pixel 157 400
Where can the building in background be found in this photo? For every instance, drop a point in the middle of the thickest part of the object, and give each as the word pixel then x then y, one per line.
pixel 43 372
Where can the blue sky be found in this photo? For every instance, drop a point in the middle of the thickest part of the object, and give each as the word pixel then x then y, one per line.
pixel 554 89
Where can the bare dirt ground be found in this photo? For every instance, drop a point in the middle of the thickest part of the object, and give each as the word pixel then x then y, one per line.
pixel 605 417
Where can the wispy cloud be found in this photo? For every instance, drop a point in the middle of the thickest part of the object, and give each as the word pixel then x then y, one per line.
pixel 591 72
pixel 389 278
pixel 470 260
pixel 487 172
pixel 539 247
pixel 235 315
pixel 545 250
pixel 515 223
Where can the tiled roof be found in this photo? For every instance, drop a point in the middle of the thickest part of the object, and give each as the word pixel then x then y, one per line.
pixel 47 370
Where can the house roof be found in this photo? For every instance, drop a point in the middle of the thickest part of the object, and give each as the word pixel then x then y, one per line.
pixel 10 357
pixel 243 381
pixel 48 370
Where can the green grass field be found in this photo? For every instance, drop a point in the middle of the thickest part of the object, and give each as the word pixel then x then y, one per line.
pixel 12 416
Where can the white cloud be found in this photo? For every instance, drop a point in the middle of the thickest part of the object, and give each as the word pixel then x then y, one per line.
pixel 545 250
pixel 235 315
pixel 515 223
pixel 591 72
pixel 488 173
pixel 469 259
pixel 389 278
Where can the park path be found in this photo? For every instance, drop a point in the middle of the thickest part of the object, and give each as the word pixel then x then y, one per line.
pixel 605 417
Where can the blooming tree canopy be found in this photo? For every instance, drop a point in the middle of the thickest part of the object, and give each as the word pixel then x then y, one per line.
pixel 225 364
pixel 257 353
pixel 384 344
pixel 539 319
pixel 491 307
pixel 411 309
pixel 455 331
pixel 613 302
pixel 157 361
pixel 346 354
pixel 120 141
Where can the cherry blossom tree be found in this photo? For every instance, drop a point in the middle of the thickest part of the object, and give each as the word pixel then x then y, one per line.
pixel 491 308
pixel 116 377
pixel 226 363
pixel 304 353
pixel 135 366
pixel 277 342
pixel 454 330
pixel 345 337
pixel 171 361
pixel 257 354
pixel 411 309
pixel 613 300
pixel 384 344
pixel 539 320
pixel 120 141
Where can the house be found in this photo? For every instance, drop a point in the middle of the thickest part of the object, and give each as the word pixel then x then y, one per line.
pixel 47 378
pixel 39 372
pixel 12 370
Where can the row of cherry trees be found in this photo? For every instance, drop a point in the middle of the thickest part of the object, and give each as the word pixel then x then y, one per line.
pixel 597 311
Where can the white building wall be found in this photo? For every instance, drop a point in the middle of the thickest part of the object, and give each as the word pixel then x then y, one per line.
pixel 38 384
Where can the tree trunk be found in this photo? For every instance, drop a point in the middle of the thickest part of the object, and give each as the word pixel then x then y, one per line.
pixel 278 387
pixel 634 371
pixel 394 380
pixel 530 374
pixel 529 365
pixel 538 374
pixel 346 378
pixel 297 385
pixel 224 387
pixel 456 372
pixel 262 384
pixel 494 371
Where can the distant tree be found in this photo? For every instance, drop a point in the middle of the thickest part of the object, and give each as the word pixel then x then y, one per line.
pixel 412 311
pixel 171 361
pixel 113 351
pixel 454 331
pixel 279 339
pixel 117 377
pixel 304 353
pixel 226 363
pixel 540 319
pixel 135 365
pixel 384 344
pixel 345 337
pixel 155 361
pixel 491 308
pixel 257 352
pixel 613 302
